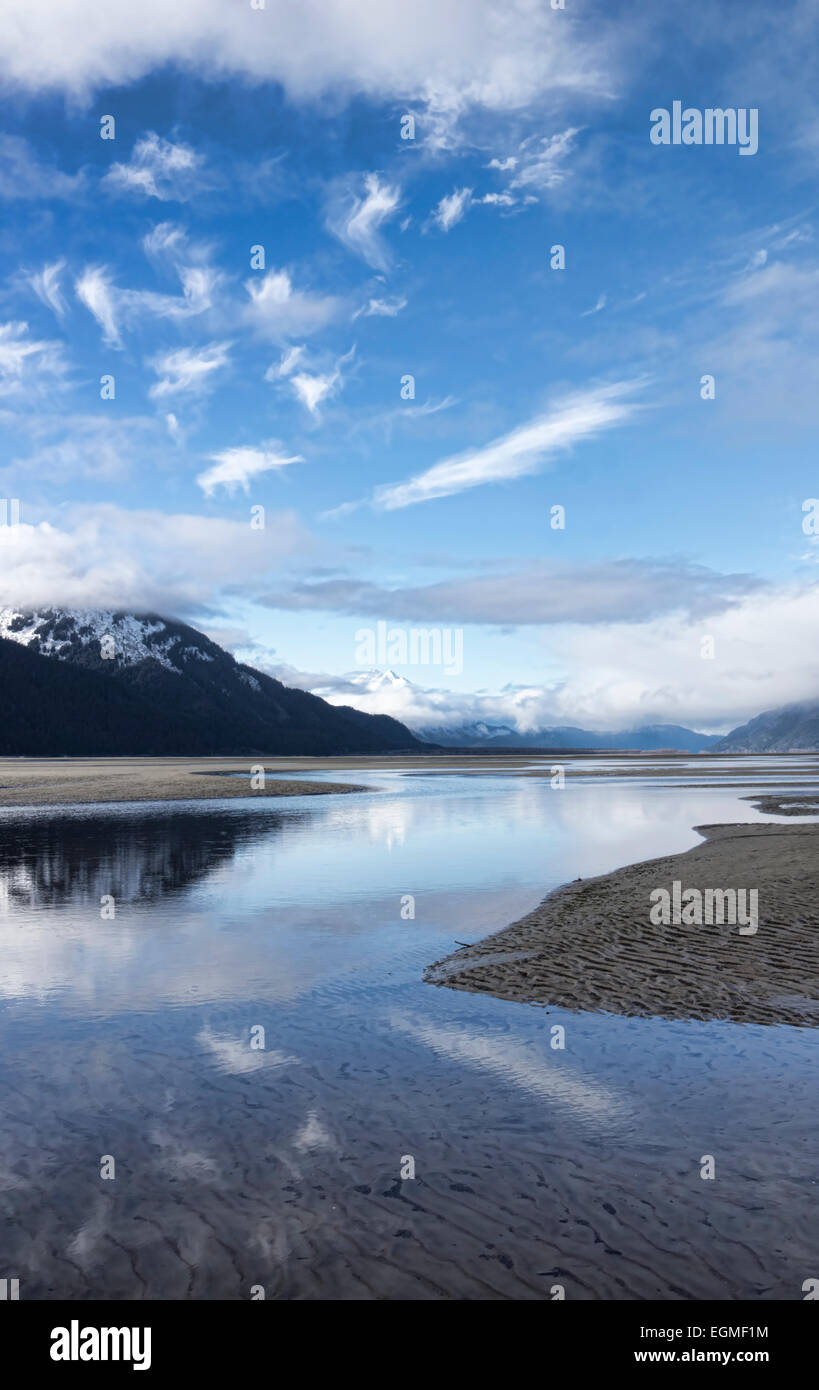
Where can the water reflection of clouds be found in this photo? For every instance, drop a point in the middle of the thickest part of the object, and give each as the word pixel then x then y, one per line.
pixel 235 1056
pixel 551 1078
pixel 217 904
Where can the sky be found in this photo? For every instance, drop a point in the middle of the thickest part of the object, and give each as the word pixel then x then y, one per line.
pixel 327 321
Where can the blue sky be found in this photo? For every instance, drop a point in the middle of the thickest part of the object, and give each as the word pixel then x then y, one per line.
pixel 280 385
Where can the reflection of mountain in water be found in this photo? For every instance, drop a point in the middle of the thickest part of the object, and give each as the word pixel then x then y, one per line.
pixel 139 857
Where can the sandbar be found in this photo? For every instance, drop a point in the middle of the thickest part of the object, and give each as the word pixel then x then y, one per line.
pixel 590 945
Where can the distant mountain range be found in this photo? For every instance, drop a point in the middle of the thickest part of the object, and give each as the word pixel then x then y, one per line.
pixel 789 729
pixel 388 686
pixel 792 728
pixel 116 684
pixel 651 737
pixel 164 689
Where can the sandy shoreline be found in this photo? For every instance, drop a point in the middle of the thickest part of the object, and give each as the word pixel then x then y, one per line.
pixel 590 945
pixel 65 782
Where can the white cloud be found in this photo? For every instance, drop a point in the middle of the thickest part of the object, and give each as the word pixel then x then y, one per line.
pixel 96 291
pixel 174 428
pixel 446 55
pixel 357 221
pixel 199 283
pixel 541 162
pixel 168 247
pixel 235 468
pixel 166 241
pixel 312 390
pixel 187 369
pixel 381 308
pixel 46 285
pixel 595 309
pixel 523 451
pixel 25 361
pixel 102 556
pixel 286 364
pixel 620 675
pixel 313 387
pixel 159 168
pixel 537 168
pixel 654 670
pixel 452 208
pixel 277 311
pixel 113 307
pixel 615 591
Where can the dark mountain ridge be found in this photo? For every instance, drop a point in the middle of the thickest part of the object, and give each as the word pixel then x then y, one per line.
pixel 128 684
pixel 789 729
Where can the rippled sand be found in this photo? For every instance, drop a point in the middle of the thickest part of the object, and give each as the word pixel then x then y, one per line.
pixel 287 1175
pixel 235 1168
pixel 591 945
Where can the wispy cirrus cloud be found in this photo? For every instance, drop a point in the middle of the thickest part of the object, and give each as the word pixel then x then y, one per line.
pixel 452 208
pixel 311 385
pixel 596 308
pixel 114 307
pixel 541 161
pixel 523 451
pixel 381 308
pixel 357 219
pixel 168 246
pixel 234 468
pixel 188 369
pixel 95 289
pixel 159 168
pixel 47 285
pixel 539 165
pixel 277 311
pixel 27 364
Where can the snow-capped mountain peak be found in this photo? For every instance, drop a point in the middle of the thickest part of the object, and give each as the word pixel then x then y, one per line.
pixel 125 638
pixel 371 681
pixel 137 683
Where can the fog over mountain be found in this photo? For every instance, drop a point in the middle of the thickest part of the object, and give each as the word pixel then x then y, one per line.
pixel 100 682
pixel 789 729
pixel 459 721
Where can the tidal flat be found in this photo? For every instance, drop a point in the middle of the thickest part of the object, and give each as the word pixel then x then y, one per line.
pixel 249 1036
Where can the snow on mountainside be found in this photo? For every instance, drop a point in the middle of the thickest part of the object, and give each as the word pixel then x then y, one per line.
pixel 66 631
pixel 177 680
pixel 371 681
